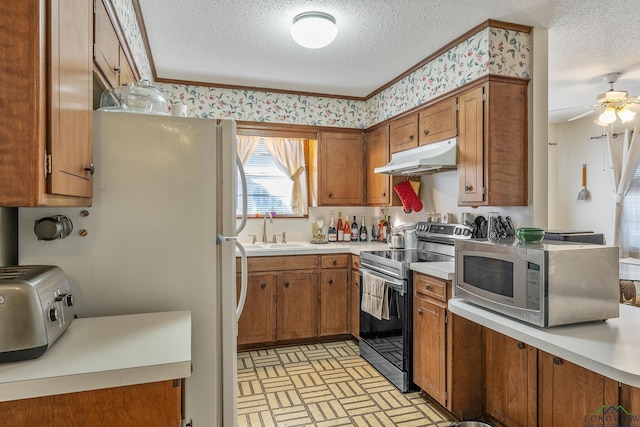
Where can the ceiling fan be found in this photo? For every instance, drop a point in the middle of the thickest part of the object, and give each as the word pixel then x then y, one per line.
pixel 612 103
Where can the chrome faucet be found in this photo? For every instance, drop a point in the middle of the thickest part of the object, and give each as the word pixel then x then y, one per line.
pixel 264 226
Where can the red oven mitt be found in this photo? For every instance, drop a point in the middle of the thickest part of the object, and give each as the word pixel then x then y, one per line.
pixel 410 200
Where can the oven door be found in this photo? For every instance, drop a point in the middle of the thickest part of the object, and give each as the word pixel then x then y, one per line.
pixel 386 344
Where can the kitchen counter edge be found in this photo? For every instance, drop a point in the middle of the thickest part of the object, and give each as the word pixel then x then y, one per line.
pixel 610 348
pixel 317 249
pixel 104 352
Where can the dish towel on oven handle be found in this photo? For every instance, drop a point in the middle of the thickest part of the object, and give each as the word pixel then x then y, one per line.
pixel 375 299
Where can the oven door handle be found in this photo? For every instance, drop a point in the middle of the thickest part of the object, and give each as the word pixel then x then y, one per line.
pixel 398 285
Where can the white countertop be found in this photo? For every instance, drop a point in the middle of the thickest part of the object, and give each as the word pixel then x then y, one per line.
pixel 610 348
pixel 103 352
pixel 443 270
pixel 278 249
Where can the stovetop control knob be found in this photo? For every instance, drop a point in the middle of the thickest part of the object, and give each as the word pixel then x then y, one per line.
pixel 53 314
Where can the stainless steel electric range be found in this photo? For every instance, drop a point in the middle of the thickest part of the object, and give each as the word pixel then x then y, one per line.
pixel 388 343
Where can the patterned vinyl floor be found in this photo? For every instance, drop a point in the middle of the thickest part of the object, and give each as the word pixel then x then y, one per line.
pixel 325 385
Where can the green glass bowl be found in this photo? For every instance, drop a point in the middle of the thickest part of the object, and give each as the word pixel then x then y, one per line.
pixel 530 235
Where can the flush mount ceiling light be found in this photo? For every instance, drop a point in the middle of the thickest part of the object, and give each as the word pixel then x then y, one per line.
pixel 314 30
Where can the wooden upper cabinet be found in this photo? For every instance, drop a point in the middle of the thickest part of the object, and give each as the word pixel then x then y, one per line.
pixel 377 153
pixel 107 46
pixel 438 122
pixel 46 103
pixel 403 133
pixel 127 77
pixel 493 144
pixel 341 169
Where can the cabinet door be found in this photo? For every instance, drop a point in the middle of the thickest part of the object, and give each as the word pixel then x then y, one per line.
pixel 403 133
pixel 107 46
pixel 429 348
pixel 334 300
pixel 438 122
pixel 127 77
pixel 630 401
pixel 151 404
pixel 341 169
pixel 378 185
pixel 71 122
pixel 471 147
pixel 570 394
pixel 257 323
pixel 297 305
pixel 510 380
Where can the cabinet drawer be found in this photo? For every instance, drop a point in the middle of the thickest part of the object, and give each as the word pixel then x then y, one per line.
pixel 403 133
pixel 430 286
pixel 355 262
pixel 335 261
pixel 279 263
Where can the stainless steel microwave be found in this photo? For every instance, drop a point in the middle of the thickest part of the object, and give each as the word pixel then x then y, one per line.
pixel 545 284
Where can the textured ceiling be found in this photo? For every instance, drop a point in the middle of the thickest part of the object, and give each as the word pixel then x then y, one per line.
pixel 247 42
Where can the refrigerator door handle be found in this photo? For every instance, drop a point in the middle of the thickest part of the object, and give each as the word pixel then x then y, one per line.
pixel 243 181
pixel 243 280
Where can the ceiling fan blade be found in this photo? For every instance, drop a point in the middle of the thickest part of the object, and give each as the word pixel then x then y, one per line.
pixel 579 116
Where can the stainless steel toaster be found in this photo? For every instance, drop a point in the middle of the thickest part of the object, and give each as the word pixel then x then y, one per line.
pixel 36 307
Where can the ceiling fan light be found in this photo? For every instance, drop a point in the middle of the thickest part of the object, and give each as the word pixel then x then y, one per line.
pixel 608 115
pixel 314 30
pixel 599 123
pixel 626 115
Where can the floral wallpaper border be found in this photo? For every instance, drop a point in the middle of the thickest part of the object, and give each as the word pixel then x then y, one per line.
pixel 491 51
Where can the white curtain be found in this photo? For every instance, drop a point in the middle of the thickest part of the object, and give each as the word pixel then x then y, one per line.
pixel 624 157
pixel 246 146
pixel 289 156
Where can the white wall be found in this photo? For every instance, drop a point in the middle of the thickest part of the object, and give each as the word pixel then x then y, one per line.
pixel 577 143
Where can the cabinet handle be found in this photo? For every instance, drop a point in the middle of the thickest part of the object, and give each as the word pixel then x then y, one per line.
pixel 263 285
pixel 411 137
pixel 557 360
pixel 117 69
pixel 91 169
pixel 331 281
pixel 425 132
pixel 468 187
pixel 286 284
pixel 419 312
pixel 520 345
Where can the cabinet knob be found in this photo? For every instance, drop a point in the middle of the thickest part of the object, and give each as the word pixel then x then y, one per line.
pixel 331 281
pixel 468 187
pixel 335 262
pixel 384 194
pixel 425 132
pixel 263 285
pixel 330 195
pixel 411 137
pixel 557 360
pixel 117 69
pixel 419 312
pixel 91 169
pixel 286 284
pixel 427 287
pixel 520 345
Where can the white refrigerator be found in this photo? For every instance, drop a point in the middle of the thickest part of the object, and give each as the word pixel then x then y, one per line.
pixel 164 194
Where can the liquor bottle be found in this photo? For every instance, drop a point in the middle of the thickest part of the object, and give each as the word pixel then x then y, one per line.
pixel 355 235
pixel 383 229
pixel 346 233
pixel 388 226
pixel 363 231
pixel 332 234
pixel 340 228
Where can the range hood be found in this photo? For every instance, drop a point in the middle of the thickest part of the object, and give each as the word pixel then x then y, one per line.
pixel 428 158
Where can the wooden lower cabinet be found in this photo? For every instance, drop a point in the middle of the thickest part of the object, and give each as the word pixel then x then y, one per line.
pixel 510 380
pixel 152 404
pixel 297 305
pixel 334 302
pixel 429 348
pixel 258 320
pixel 570 395
pixel 630 401
pixel 447 350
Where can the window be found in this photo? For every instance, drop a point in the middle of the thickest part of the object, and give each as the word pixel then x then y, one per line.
pixel 276 175
pixel 632 206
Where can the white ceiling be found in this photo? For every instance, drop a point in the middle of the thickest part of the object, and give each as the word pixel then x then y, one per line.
pixel 247 42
